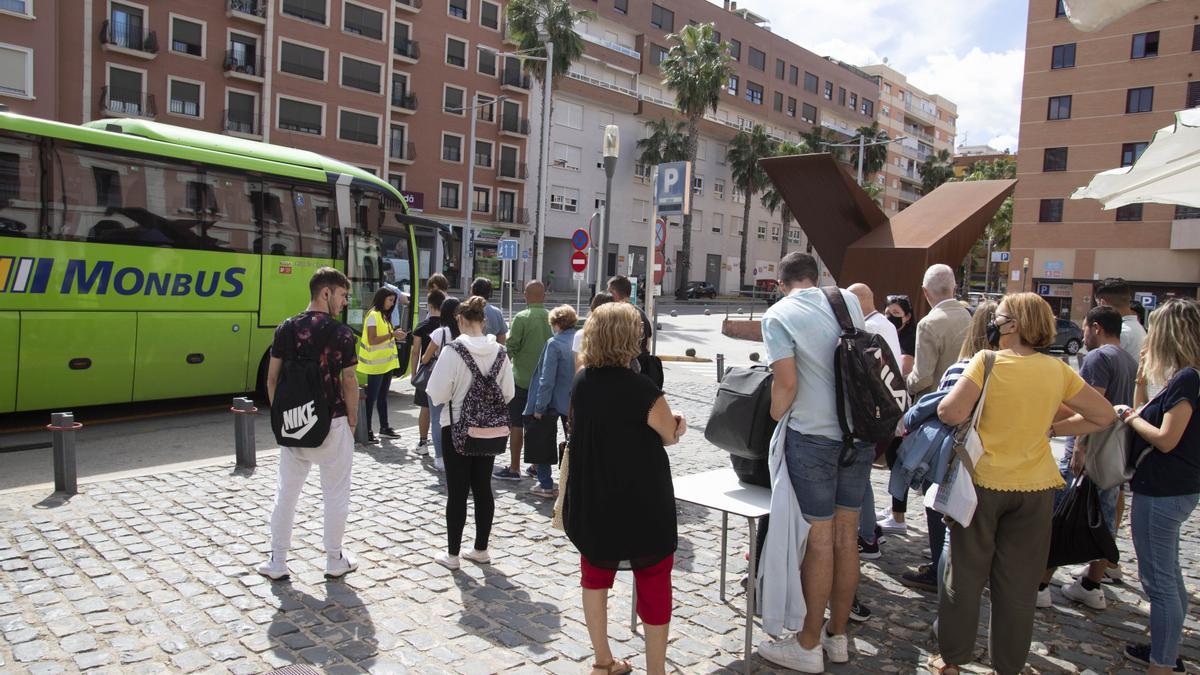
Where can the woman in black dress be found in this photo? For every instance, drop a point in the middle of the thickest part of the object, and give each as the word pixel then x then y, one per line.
pixel 619 505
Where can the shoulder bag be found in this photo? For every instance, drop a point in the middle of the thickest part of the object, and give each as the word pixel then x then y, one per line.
pixel 954 497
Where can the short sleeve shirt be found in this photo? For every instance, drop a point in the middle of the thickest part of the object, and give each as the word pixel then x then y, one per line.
pixel 1112 369
pixel 338 353
pixel 1169 474
pixel 1132 336
pixel 493 321
pixel 1023 395
pixel 426 327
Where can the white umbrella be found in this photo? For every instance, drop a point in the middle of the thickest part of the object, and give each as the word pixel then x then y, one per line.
pixel 1092 15
pixel 1168 172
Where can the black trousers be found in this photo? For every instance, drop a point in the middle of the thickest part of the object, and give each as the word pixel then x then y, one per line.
pixel 465 475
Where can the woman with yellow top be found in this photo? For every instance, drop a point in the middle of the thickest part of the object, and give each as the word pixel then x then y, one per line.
pixel 377 358
pixel 1008 541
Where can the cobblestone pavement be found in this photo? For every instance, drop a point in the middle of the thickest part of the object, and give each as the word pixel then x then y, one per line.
pixel 155 574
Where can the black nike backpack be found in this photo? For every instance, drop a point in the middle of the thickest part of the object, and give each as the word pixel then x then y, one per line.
pixel 301 412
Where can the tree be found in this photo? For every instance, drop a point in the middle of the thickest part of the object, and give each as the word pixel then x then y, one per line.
pixel 936 169
pixel 744 152
pixel 526 20
pixel 819 139
pixel 999 230
pixel 874 191
pixel 696 68
pixel 666 142
pixel 874 156
pixel 772 199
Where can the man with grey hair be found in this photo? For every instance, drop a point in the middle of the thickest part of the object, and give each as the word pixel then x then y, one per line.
pixel 940 334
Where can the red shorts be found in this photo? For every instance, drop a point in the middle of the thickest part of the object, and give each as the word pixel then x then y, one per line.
pixel 653 587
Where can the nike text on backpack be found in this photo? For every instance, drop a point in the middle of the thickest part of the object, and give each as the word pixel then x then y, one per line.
pixel 866 373
pixel 300 410
pixel 481 427
pixel 740 422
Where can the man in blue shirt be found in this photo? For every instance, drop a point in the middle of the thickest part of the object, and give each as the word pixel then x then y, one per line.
pixel 493 322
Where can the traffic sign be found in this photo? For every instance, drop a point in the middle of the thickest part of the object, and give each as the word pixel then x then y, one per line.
pixel 578 261
pixel 580 239
pixel 660 234
pixel 673 191
pixel 577 276
pixel 507 249
pixel 660 267
pixel 1000 256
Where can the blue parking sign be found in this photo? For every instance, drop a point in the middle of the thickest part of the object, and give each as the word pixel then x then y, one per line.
pixel 673 190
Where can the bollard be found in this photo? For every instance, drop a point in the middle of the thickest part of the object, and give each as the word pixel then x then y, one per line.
pixel 243 432
pixel 361 431
pixel 720 367
pixel 62 428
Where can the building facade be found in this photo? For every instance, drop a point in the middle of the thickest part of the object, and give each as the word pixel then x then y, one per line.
pixel 1092 102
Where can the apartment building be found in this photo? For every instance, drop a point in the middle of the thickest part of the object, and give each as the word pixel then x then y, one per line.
pixel 386 85
pixel 924 122
pixel 1092 102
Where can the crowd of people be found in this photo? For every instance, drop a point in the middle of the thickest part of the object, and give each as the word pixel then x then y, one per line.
pixel 488 389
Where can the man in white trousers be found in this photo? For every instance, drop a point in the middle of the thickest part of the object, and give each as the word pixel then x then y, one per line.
pixel 329 290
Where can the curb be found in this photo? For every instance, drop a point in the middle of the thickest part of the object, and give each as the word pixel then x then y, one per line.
pixel 685 359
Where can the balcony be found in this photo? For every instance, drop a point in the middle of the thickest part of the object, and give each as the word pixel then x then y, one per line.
pixel 512 170
pixel 404 101
pixel 124 38
pixel 408 51
pixel 514 126
pixel 249 10
pixel 413 6
pixel 244 66
pixel 512 215
pixel 917 133
pixel 908 195
pixel 918 113
pixel 401 152
pixel 509 38
pixel 514 80
pixel 242 123
pixel 601 83
pixel 117 102
pixel 620 49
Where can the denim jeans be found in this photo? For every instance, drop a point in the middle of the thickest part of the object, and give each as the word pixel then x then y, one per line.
pixel 377 391
pixel 435 423
pixel 820 482
pixel 1155 522
pixel 545 480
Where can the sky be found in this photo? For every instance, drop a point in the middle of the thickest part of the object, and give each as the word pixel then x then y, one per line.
pixel 969 51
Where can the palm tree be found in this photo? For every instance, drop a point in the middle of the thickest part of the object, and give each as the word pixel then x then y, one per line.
pixel 696 68
pixel 748 176
pixel 874 156
pixel 772 199
pixel 525 20
pixel 936 169
pixel 666 142
pixel 999 230
pixel 819 139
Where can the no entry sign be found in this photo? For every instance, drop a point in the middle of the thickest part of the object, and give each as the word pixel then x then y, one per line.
pixel 578 261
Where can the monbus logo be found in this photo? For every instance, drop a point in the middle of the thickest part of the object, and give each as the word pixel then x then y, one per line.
pixel 32 275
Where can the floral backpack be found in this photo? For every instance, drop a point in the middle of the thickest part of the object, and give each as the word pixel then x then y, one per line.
pixel 481 428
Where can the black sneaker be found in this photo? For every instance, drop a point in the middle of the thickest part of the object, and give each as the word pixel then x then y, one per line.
pixel 389 432
pixel 867 550
pixel 859 612
pixel 880 537
pixel 925 578
pixel 1140 653
pixel 371 439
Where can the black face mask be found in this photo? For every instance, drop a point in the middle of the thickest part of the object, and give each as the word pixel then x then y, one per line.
pixel 897 321
pixel 993 333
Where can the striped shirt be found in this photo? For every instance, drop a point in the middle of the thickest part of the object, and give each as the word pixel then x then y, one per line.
pixel 950 377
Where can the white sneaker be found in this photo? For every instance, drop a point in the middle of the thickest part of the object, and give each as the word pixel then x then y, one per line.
pixel 274 570
pixel 477 556
pixel 423 448
pixel 890 525
pixel 1112 575
pixel 1093 598
pixel 338 567
pixel 787 652
pixel 1043 599
pixel 438 464
pixel 883 514
pixel 837 647
pixel 448 561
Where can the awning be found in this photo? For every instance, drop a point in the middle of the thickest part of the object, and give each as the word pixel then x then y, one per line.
pixel 1168 172
pixel 1092 15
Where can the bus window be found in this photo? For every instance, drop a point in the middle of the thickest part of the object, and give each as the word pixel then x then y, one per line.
pixel 314 214
pixel 20 193
pixel 230 214
pixel 272 203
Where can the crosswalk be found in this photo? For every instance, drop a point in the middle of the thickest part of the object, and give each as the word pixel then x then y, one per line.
pixel 691 370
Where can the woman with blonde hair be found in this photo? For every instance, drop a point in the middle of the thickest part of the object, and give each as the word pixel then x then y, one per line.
pixel 619 505
pixel 1166 484
pixel 1008 540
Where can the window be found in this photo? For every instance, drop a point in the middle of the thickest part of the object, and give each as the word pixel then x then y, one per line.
pixel 1130 152
pixel 1059 108
pixel 791 107
pixel 758 59
pixel 309 10
pixel 564 199
pixel 1129 213
pixel 16 7
pixel 568 157
pixel 398 142
pixel 1186 213
pixel 1196 38
pixel 454 100
pixel 185 98
pixel 775 233
pixel 483 154
pixel 485 62
pixel 396 180
pixel 732 86
pixel 451 147
pixel 1060 10
pixel 1054 159
pixel 448 195
pixel 761 232
pixel 722 151
pixel 358 127
pixel 1062 56
pixel 622 6
pixel 738 197
pixel 1193 94
pixel 717 222
pixel 16 71
pixel 698 186
pixel 240 113
pixel 793 235
pixel 242 56
pixel 456 52
pixel 126 91
pixel 657 54
pixel 1139 100
pixel 868 108
pixel 716 36
pixel 719 188
pixel 299 116
pixel 811 82
pixel 780 67
pixel 1050 211
pixel 793 75
pixel 360 74
pixel 300 60
pixel 457 9
pixel 841 96
pixel 736 227
pixel 489 15
pixel 482 202
pixel 662 18
pixel 778 102
pixel 754 92
pixel 735 49
pixel 362 21
pixel 199 198
pixel 697 220
pixel 828 90
pixel 1144 45
pixel 187 37
pixel 853 101
pixel 809 114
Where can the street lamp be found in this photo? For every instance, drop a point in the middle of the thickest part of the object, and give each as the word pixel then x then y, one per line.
pixel 612 147
pixel 862 145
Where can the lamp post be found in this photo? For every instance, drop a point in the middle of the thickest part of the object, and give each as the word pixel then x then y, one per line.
pixel 1024 273
pixel 612 147
pixel 862 145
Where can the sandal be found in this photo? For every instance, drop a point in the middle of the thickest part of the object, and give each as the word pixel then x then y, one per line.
pixel 938 666
pixel 614 667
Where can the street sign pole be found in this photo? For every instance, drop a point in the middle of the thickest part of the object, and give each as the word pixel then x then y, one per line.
pixel 578 291
pixel 651 305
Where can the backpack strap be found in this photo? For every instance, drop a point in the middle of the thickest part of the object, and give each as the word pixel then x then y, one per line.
pixel 465 355
pixel 834 295
pixel 838 304
pixel 494 372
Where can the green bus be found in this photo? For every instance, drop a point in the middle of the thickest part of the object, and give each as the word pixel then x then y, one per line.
pixel 144 261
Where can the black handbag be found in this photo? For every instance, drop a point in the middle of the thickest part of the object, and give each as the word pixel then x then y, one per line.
pixel 740 422
pixel 541 438
pixel 1077 532
pixel 420 379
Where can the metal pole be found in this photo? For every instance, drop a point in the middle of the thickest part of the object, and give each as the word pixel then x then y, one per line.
pixel 861 145
pixel 720 367
pixel 578 292
pixel 610 168
pixel 62 430
pixel 651 304
pixel 243 432
pixel 987 267
pixel 543 193
pixel 361 431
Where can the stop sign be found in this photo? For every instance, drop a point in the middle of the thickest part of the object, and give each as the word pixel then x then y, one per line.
pixel 659 267
pixel 578 261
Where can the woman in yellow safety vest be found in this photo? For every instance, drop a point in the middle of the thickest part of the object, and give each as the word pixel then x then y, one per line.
pixel 377 358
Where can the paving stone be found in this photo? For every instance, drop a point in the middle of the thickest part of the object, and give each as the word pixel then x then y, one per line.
pixel 30 651
pixel 190 661
pixel 77 643
pixel 92 660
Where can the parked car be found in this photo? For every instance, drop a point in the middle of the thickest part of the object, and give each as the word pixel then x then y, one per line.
pixel 699 289
pixel 1069 338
